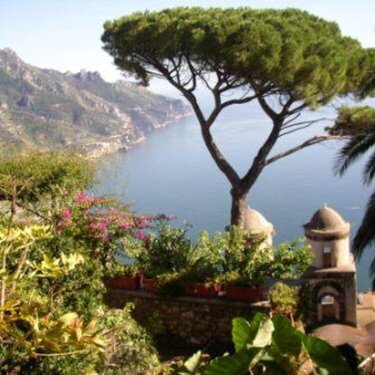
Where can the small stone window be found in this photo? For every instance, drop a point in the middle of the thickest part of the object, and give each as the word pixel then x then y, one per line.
pixel 327 249
pixel 328 300
pixel 327 256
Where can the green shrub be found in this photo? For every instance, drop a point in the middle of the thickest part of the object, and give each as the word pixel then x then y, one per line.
pixel 41 182
pixel 247 258
pixel 284 299
pixel 205 261
pixel 291 260
pixel 166 251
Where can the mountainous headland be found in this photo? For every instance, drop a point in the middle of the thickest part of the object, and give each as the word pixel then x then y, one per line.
pixel 45 109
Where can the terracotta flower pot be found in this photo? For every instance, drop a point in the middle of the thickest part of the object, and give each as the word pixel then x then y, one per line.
pixel 246 294
pixel 150 284
pixel 125 282
pixel 202 290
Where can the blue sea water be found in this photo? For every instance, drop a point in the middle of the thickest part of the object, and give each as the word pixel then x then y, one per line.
pixel 173 173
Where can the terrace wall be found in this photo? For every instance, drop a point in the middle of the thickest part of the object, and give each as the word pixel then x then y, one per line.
pixel 195 321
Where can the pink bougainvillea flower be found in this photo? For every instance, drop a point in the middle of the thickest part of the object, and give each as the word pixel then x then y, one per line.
pixel 65 223
pixel 105 238
pixel 82 197
pixel 125 226
pixel 102 227
pixel 141 236
pixel 67 213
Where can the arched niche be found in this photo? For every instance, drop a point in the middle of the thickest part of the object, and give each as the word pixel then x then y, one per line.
pixel 329 300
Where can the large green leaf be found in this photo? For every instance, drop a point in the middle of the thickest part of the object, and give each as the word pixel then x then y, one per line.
pixel 327 358
pixel 242 332
pixel 264 333
pixel 192 364
pixel 273 366
pixel 257 332
pixel 285 337
pixel 236 364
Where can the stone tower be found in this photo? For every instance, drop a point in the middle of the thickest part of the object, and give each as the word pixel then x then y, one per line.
pixel 258 225
pixel 332 277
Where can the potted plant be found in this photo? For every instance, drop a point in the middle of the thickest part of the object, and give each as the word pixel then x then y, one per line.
pixel 164 254
pixel 124 277
pixel 242 287
pixel 204 267
pixel 247 265
pixel 122 269
pixel 170 284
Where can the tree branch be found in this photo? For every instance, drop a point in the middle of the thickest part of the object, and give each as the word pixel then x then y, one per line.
pixel 295 130
pixel 218 157
pixel 299 126
pixel 304 122
pixel 295 117
pixel 266 108
pixel 238 101
pixel 259 161
pixel 310 142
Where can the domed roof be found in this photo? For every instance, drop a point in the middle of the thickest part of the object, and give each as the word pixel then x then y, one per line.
pixel 327 221
pixel 256 222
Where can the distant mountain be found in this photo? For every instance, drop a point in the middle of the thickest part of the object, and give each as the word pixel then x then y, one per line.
pixel 47 109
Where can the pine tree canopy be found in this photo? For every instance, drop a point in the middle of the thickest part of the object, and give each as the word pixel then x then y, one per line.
pixel 284 52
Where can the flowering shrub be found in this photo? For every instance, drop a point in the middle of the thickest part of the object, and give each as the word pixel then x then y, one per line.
pixel 105 228
pixel 55 247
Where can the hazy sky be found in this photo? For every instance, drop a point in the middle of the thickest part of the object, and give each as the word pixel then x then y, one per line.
pixel 65 34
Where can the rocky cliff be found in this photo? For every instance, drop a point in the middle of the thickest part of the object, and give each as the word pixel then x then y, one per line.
pixel 47 109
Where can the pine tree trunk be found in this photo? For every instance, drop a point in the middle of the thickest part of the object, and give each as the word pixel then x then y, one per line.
pixel 239 206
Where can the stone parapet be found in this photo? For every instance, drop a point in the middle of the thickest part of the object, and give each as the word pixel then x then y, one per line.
pixel 196 321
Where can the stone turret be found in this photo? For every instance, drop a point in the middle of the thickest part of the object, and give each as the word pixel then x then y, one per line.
pixel 328 235
pixel 258 225
pixel 332 278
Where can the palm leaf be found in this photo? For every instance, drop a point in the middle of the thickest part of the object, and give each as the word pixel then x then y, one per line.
pixel 368 86
pixel 369 170
pixel 372 273
pixel 366 232
pixel 352 151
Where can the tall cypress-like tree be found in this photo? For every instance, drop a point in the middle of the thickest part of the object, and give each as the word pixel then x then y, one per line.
pixel 285 60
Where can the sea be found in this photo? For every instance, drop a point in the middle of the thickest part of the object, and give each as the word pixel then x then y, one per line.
pixel 172 173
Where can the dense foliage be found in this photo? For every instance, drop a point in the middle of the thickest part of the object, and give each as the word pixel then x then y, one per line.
pixel 54 254
pixel 234 256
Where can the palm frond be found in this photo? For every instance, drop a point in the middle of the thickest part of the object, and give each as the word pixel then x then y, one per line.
pixel 365 235
pixel 372 274
pixel 369 170
pixel 352 151
pixel 368 87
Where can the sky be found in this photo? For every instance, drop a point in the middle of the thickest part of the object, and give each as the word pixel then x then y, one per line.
pixel 65 34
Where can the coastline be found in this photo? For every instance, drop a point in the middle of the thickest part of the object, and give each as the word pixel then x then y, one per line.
pixel 118 143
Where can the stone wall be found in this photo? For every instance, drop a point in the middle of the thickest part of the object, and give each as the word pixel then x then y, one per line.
pixel 196 321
